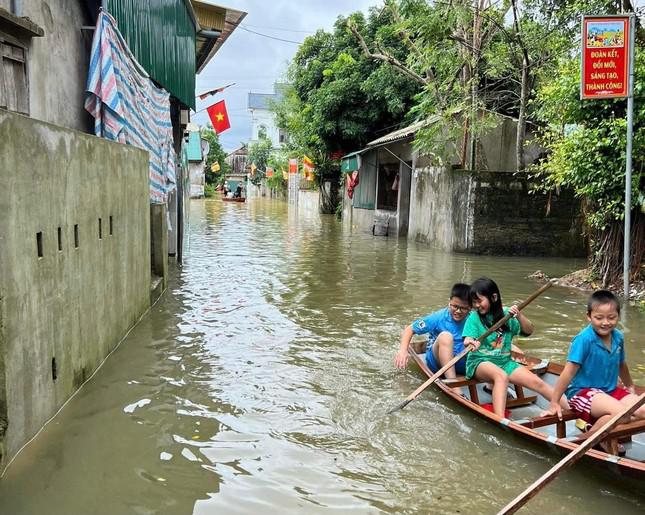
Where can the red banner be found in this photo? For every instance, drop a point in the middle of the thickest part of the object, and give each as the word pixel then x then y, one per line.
pixel 605 57
pixel 293 165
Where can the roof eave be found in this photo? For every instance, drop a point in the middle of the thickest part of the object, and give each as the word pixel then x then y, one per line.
pixel 231 20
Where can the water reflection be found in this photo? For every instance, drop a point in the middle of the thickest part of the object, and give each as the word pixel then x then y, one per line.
pixel 261 380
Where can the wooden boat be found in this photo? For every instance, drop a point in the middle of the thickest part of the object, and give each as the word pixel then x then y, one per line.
pixel 234 199
pixel 524 419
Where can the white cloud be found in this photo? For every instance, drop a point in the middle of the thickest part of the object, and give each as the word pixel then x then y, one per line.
pixel 254 62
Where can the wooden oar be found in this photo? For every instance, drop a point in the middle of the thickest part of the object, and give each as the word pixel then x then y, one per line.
pixel 454 360
pixel 570 458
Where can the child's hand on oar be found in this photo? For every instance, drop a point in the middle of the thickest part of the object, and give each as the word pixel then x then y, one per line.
pixel 472 342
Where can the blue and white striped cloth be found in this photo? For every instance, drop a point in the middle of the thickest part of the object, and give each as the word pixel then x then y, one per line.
pixel 127 106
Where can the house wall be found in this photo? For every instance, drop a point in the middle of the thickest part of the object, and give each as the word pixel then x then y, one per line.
pixel 264 117
pixel 71 305
pixel 438 207
pixel 197 179
pixel 57 62
pixel 479 212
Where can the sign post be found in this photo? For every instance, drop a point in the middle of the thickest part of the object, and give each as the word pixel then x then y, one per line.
pixel 608 72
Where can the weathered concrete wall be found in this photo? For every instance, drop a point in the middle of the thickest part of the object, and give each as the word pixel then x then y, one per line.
pixel 492 213
pixel 510 220
pixel 58 61
pixel 309 201
pixel 197 179
pixel 72 304
pixel 438 207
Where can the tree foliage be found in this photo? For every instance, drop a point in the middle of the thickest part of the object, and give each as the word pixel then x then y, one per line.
pixel 216 154
pixel 586 142
pixel 339 99
pixel 259 155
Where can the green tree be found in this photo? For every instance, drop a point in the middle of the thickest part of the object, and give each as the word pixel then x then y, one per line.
pixel 339 99
pixel 279 161
pixel 586 143
pixel 259 154
pixel 216 154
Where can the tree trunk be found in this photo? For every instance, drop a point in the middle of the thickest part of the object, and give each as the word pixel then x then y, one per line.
pixel 521 121
pixel 607 258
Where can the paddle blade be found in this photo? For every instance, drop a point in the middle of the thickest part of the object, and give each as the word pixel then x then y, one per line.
pixel 399 406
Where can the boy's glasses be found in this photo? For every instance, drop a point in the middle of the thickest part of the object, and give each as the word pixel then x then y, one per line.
pixel 459 309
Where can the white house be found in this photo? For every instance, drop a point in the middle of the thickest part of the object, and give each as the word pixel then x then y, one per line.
pixel 263 118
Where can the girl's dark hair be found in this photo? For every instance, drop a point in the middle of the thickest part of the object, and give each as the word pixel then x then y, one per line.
pixel 487 288
pixel 602 297
pixel 460 291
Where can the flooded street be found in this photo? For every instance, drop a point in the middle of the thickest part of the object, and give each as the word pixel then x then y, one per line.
pixel 260 383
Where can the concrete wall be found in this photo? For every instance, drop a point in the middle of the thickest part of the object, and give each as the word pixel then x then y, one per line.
pixel 508 219
pixel 492 213
pixel 58 62
pixel 197 179
pixel 438 207
pixel 71 305
pixel 309 201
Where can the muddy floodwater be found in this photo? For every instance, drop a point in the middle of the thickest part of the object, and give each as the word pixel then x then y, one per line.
pixel 260 382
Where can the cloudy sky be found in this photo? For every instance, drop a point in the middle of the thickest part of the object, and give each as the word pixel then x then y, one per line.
pixel 255 62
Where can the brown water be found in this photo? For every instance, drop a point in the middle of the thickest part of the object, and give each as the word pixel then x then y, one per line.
pixel 260 382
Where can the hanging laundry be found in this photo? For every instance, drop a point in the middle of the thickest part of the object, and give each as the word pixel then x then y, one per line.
pixel 351 185
pixel 127 107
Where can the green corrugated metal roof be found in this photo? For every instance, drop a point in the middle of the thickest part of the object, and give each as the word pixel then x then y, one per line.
pixel 161 34
pixel 194 146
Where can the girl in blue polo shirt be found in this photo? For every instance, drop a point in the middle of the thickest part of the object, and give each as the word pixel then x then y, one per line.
pixel 595 362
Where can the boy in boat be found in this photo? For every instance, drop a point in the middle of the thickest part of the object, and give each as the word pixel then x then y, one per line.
pixel 595 362
pixel 444 328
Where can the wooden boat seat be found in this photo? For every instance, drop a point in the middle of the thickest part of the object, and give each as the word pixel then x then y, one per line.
pixel 620 434
pixel 623 433
pixel 560 425
pixel 471 384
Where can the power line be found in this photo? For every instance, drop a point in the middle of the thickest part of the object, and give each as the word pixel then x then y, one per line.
pixel 277 28
pixel 270 37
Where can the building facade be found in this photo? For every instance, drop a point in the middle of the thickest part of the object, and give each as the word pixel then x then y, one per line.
pixel 263 119
pixel 393 190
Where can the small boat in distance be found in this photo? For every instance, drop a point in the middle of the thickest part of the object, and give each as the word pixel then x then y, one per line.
pixel 524 416
pixel 234 199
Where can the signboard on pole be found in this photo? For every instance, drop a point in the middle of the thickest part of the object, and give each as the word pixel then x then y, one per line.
pixel 605 57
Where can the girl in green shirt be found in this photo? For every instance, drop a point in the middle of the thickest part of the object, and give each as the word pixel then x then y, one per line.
pixel 491 360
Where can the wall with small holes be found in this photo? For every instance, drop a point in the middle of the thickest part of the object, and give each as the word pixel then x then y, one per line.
pixel 74 264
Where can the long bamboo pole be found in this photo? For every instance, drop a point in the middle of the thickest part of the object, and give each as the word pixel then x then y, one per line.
pixel 570 459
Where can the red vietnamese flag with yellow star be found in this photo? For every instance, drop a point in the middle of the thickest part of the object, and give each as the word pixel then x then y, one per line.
pixel 219 117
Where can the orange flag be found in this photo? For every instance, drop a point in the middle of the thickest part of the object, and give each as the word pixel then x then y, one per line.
pixel 219 117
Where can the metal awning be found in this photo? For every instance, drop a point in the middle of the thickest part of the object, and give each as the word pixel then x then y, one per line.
pixel 352 161
pixel 401 134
